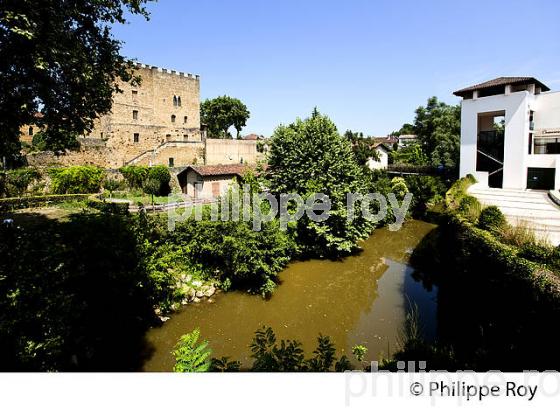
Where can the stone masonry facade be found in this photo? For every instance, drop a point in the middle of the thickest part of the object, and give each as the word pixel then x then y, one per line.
pixel 154 123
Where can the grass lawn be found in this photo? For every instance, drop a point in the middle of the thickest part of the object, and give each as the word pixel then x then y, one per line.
pixel 136 198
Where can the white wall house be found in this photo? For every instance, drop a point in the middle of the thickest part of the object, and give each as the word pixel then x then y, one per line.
pixel 383 153
pixel 510 133
pixel 407 139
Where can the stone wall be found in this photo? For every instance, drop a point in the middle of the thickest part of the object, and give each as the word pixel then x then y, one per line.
pixel 146 116
pixel 219 151
pixel 140 128
pixel 97 156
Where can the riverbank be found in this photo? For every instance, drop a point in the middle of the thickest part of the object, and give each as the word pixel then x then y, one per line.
pixel 495 306
pixel 361 299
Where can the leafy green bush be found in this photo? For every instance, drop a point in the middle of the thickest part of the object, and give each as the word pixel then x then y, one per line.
pixel 111 185
pixel 457 191
pixel 82 179
pixel 190 355
pixel 73 295
pixel 137 175
pixel 11 204
pixel 16 182
pixel 398 187
pixel 232 252
pixel 288 355
pixel 117 208
pixel 470 208
pixel 161 174
pixel 134 175
pixel 491 219
pixel 536 253
pixel 426 190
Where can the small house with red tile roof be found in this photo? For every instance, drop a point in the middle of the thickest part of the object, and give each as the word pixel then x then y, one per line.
pixel 210 181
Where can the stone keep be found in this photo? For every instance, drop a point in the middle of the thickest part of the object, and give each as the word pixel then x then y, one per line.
pixel 154 123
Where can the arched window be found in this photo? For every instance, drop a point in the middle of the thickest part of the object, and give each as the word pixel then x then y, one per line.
pixel 175 101
pixel 30 131
pixel 173 118
pixel 179 101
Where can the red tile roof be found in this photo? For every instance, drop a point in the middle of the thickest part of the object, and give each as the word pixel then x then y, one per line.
pixel 214 170
pixel 251 137
pixel 502 81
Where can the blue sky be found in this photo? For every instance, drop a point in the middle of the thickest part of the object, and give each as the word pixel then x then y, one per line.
pixel 367 64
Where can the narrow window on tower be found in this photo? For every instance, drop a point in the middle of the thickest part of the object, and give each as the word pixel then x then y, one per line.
pixel 173 118
pixel 134 115
pixel 179 101
pixel 136 137
pixel 185 119
pixel 175 101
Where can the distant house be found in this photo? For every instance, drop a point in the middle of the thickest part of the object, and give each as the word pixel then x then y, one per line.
pixel 252 137
pixel 510 133
pixel 209 181
pixel 389 140
pixel 383 153
pixel 407 139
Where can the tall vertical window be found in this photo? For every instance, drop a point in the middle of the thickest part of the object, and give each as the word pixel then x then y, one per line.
pixel 136 137
pixel 30 131
pixel 175 101
pixel 134 115
pixel 185 119
pixel 173 118
pixel 179 101
pixel 171 162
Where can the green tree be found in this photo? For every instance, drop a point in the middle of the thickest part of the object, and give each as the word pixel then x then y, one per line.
pixel 438 127
pixel 190 355
pixel 308 157
pixel 151 187
pixel 411 154
pixel 111 185
pixel 362 147
pixel 62 60
pixel 406 129
pixel 221 113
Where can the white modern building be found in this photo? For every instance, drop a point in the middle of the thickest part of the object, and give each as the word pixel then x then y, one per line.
pixel 407 139
pixel 510 134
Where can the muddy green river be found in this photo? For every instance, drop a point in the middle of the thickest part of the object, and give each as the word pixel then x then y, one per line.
pixel 359 300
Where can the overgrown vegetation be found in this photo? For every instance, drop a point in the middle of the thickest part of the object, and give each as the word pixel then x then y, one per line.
pixel 497 295
pixel 79 179
pixel 138 176
pixel 268 354
pixel 14 183
pixel 190 355
pixel 69 75
pixel 437 126
pixel 308 157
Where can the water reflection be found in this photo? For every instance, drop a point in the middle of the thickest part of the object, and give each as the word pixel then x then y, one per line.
pixel 360 300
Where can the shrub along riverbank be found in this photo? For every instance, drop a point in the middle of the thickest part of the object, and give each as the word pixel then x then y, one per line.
pixel 496 301
pixel 79 294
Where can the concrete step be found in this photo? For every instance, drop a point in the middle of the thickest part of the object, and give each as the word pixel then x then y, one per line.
pixel 532 208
